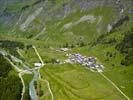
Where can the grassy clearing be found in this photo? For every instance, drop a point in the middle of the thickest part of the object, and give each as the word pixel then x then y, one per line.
pixel 75 82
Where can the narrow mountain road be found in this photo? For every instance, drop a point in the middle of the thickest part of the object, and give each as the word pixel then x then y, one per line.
pixel 105 77
pixel 49 88
pixel 100 72
pixel 23 91
pixel 20 71
pixel 15 67
pixel 38 55
pixel 18 51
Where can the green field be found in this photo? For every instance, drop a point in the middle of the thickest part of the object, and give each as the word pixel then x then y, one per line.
pixel 75 82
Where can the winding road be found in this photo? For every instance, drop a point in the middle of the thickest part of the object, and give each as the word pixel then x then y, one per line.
pixel 23 91
pixel 37 75
pixel 20 73
pixel 49 88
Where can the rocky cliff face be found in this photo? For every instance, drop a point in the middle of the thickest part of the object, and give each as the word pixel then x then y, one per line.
pixel 30 18
pixel 11 10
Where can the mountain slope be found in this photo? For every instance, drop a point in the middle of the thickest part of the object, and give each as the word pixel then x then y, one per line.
pixel 94 28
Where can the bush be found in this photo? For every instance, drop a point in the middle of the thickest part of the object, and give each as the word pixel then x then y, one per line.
pixel 126 48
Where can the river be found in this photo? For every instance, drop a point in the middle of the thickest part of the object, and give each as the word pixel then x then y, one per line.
pixel 25 70
pixel 32 90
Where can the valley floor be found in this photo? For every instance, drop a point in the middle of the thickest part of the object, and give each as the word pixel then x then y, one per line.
pixel 74 81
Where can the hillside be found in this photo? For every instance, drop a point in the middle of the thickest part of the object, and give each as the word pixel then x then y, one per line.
pixel 66 49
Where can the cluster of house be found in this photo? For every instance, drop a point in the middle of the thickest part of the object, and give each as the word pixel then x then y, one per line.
pixel 89 62
pixel 130 11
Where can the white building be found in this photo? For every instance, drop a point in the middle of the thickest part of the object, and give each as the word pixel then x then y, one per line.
pixel 38 64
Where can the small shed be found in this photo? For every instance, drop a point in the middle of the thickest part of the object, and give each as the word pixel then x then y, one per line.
pixel 37 64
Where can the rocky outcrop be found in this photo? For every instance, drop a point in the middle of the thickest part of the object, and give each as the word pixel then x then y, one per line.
pixel 117 23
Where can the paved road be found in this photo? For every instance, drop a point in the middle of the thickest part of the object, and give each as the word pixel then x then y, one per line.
pixel 114 86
